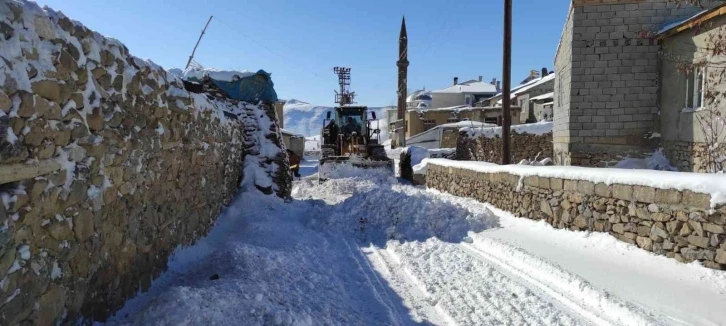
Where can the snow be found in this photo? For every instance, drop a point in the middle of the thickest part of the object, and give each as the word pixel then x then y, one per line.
pixel 708 183
pixel 475 87
pixel 538 128
pixel 656 161
pixel 546 96
pixel 456 108
pixel 217 74
pixel 365 250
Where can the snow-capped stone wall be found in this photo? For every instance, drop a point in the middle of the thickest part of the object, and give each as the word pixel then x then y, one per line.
pixel 107 164
pixel 682 223
pixel 529 141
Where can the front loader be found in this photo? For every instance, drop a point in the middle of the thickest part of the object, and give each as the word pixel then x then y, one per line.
pixel 349 139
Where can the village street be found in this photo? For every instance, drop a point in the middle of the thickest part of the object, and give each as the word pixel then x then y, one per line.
pixel 367 250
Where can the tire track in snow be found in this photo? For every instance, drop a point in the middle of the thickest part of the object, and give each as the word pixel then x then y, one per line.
pixel 574 293
pixel 469 291
pixel 407 286
pixel 377 288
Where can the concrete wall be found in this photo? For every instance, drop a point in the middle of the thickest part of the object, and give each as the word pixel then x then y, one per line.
pixel 445 100
pixel 294 143
pixel 489 149
pixel 613 80
pixel 683 132
pixel 677 224
pixel 107 165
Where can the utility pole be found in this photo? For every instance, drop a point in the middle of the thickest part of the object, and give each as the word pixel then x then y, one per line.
pixel 199 40
pixel 506 80
pixel 402 64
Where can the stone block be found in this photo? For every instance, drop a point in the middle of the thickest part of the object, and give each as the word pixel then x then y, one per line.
pixel 698 241
pixel 644 243
pixel 713 228
pixel 585 187
pixel 668 196
pixel 570 185
pixel 644 194
pixel 696 200
pixel 624 192
pixel 603 190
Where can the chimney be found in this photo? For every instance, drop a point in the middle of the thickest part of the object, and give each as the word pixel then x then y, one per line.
pixel 533 73
pixel 494 81
pixel 499 86
pixel 544 72
pixel 480 78
pixel 456 80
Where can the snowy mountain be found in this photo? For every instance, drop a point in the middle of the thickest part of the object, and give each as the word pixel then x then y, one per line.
pixel 307 119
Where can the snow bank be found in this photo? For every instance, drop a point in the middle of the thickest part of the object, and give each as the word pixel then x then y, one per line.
pixel 538 128
pixel 656 161
pixel 713 184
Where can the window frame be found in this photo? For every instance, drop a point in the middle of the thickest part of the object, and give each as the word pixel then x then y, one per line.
pixel 695 90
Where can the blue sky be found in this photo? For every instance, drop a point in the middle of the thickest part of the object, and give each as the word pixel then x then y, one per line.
pixel 300 42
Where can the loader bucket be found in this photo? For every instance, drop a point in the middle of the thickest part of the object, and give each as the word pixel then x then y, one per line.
pixel 339 166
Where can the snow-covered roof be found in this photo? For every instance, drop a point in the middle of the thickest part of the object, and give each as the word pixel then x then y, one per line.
pixel 547 96
pixel 291 133
pixel 222 75
pixel 450 108
pixel 467 123
pixel 527 86
pixel 469 87
pixel 537 128
pixel 413 96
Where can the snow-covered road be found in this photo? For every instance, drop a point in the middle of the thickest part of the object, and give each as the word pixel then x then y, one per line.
pixel 367 250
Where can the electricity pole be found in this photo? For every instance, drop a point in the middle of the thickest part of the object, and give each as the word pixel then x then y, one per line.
pixel 199 40
pixel 506 80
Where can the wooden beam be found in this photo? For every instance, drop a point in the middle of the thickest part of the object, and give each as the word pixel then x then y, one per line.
pixel 20 171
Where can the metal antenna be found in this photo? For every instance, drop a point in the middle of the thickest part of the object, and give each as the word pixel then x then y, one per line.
pixel 345 96
pixel 199 40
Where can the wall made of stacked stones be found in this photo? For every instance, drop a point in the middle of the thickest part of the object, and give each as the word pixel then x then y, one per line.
pixel 107 164
pixel 677 224
pixel 489 149
pixel 694 157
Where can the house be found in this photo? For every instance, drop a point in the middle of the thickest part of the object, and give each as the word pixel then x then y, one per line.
pixel 542 106
pixel 692 118
pixel 521 95
pixel 606 89
pixel 466 93
pixel 294 142
pixel 421 120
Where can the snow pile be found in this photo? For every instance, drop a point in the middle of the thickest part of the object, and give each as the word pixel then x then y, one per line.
pixel 342 170
pixel 708 183
pixel 538 128
pixel 656 161
pixel 199 73
pixel 307 119
pixel 378 209
pixel 419 156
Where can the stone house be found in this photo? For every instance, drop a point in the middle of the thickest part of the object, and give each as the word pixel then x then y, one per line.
pixel 466 93
pixel 606 86
pixel 692 121
pixel 420 120
pixel 523 93
pixel 542 106
pixel 293 141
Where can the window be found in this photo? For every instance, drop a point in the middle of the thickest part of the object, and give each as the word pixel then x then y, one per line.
pixel 492 120
pixel 452 120
pixel 695 85
pixel 428 124
pixel 467 100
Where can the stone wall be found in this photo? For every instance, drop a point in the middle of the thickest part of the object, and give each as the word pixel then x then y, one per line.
pixel 107 164
pixel 677 224
pixel 613 86
pixel 693 157
pixel 489 149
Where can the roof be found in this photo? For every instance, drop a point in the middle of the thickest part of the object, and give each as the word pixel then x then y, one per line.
pixel 547 96
pixel 469 87
pixel 291 133
pixel 450 108
pixel 532 84
pixel 680 25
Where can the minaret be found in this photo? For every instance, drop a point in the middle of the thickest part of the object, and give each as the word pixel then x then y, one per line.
pixel 402 64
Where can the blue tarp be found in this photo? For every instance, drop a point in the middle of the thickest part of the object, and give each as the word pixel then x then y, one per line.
pixel 255 88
